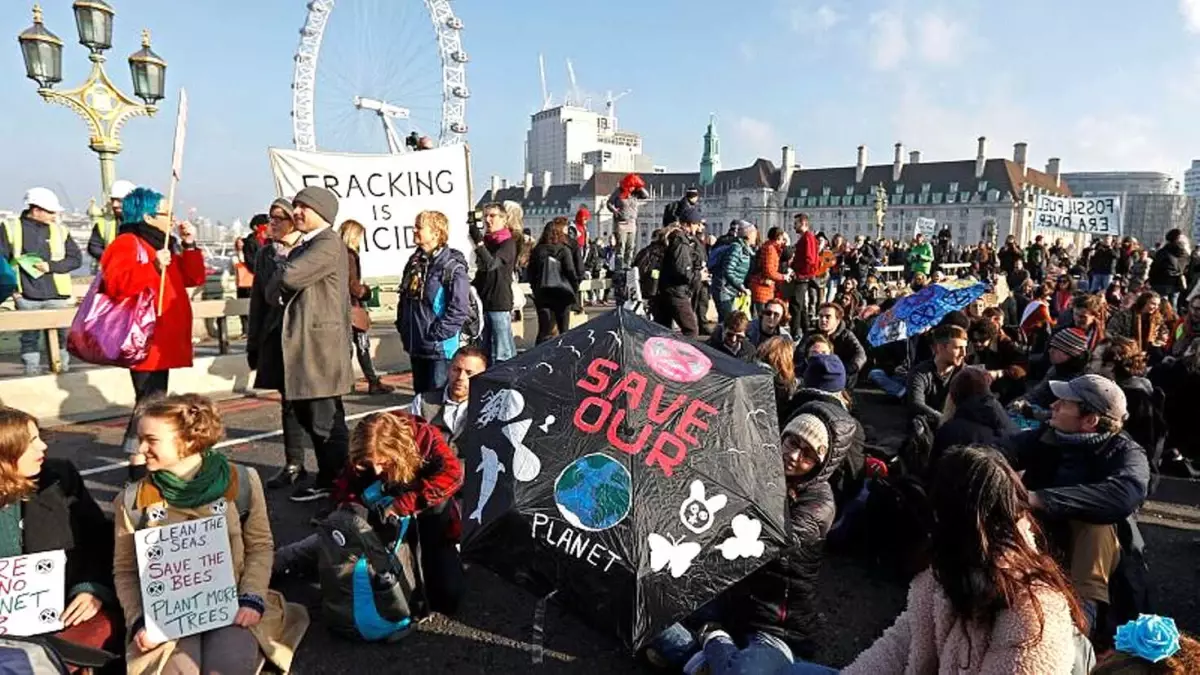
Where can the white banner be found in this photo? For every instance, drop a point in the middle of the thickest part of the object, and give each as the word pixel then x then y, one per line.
pixel 1092 215
pixel 385 193
pixel 32 593
pixel 925 226
pixel 186 572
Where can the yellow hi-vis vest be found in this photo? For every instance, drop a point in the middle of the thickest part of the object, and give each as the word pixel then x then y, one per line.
pixel 107 227
pixel 58 251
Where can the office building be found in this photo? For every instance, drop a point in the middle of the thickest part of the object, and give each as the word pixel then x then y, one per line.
pixel 1151 202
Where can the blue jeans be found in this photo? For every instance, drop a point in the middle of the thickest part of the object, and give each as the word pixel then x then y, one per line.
pixel 498 336
pixel 895 386
pixel 764 655
pixel 831 288
pixel 1099 282
pixel 429 374
pixel 31 353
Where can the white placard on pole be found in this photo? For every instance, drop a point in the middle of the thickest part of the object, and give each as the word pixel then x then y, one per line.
pixel 186 573
pixel 32 593
pixel 385 193
pixel 1096 216
pixel 925 226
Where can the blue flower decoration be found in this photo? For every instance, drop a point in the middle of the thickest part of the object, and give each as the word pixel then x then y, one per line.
pixel 1151 637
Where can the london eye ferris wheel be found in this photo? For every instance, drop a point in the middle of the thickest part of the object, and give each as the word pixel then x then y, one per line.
pixel 391 65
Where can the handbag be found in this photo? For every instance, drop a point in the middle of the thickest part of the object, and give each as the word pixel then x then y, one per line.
pixel 552 277
pixel 242 275
pixel 360 319
pixel 108 332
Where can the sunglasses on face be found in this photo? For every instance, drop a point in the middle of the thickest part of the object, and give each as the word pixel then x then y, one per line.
pixel 771 313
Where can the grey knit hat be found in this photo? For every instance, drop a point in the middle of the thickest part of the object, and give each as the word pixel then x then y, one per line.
pixel 324 202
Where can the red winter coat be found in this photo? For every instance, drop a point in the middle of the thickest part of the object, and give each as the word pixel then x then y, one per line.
pixel 125 277
pixel 805 261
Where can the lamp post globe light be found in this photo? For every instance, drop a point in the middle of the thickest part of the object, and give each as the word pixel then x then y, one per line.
pixel 102 106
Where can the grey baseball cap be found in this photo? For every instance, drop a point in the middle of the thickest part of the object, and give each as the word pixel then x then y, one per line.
pixel 1096 392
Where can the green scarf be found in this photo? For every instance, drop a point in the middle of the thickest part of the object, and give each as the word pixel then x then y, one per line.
pixel 209 483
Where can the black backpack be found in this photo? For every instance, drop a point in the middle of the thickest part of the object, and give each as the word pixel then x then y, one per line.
pixel 48 655
pixel 898 524
pixel 370 590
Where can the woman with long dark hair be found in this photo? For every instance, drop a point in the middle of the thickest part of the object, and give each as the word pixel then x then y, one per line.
pixel 991 603
pixel 554 278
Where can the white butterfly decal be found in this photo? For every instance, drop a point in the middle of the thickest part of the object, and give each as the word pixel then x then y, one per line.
pixel 664 552
pixel 745 542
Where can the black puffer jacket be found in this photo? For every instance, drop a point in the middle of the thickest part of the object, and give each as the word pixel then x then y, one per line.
pixel 780 598
pixel 1170 266
pixel 679 266
pixel 979 420
pixel 847 348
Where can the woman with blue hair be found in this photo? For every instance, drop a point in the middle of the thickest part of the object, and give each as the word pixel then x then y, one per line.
pixel 135 262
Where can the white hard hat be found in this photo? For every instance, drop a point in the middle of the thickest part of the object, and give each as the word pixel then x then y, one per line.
pixel 120 189
pixel 44 199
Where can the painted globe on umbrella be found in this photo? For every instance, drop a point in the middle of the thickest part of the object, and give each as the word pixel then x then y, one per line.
pixel 593 492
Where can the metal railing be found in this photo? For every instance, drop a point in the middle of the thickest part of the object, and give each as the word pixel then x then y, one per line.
pixel 51 320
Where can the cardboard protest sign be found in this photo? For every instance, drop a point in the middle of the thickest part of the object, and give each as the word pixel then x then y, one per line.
pixel 186 572
pixel 385 193
pixel 1096 216
pixel 32 593
pixel 925 226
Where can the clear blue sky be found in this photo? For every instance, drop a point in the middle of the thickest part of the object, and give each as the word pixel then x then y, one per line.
pixel 1103 84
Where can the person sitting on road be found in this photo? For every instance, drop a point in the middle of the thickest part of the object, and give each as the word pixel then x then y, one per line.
pixel 771 322
pixel 45 506
pixel 929 381
pixel 730 337
pixel 973 416
pixel 188 480
pixel 777 604
pixel 776 354
pixel 421 474
pixel 1087 479
pixel 832 324
pixel 815 345
pixel 991 601
pixel 823 393
pixel 1069 358
pixel 446 408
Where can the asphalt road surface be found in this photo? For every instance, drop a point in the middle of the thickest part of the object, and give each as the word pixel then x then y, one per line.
pixel 493 631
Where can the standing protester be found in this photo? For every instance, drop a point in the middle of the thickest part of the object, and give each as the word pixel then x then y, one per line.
pixel 310 282
pixel 691 197
pixel 434 301
pixel 1102 264
pixel 42 254
pixel 104 229
pixel 135 262
pixel 732 268
pixel 766 275
pixel 352 233
pixel 554 280
pixel 678 277
pixel 920 256
pixel 446 408
pixel 623 204
pixel 496 253
pixel 1009 255
pixel 264 341
pixel 1036 257
pixel 1168 272
pixel 805 264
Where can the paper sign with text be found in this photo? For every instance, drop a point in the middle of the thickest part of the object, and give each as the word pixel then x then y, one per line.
pixel 925 226
pixel 186 572
pixel 1092 215
pixel 32 591
pixel 384 193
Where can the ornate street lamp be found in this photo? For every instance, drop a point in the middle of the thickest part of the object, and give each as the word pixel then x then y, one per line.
pixel 102 106
pixel 42 51
pixel 149 73
pixel 94 18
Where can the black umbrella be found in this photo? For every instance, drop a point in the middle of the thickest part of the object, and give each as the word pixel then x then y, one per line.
pixel 634 473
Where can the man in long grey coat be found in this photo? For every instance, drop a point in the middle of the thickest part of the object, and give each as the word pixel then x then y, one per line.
pixel 310 283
